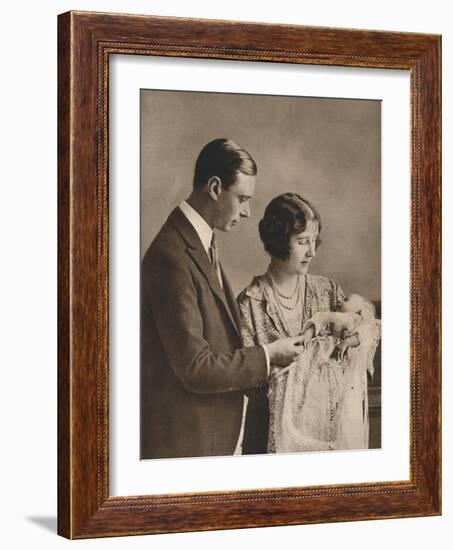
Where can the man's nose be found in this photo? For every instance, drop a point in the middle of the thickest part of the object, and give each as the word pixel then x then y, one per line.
pixel 245 211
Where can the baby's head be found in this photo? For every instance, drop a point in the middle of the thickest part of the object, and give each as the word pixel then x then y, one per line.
pixel 355 303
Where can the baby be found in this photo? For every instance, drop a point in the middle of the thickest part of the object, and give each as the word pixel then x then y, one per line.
pixel 346 323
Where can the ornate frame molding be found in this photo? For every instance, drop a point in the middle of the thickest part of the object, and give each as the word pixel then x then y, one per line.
pixel 85 41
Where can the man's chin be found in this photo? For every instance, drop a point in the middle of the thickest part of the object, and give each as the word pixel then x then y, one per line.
pixel 230 227
pixel 227 227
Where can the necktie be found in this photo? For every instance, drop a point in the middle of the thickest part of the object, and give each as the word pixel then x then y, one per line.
pixel 214 254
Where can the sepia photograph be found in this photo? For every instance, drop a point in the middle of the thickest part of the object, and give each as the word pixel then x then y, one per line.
pixel 260 224
pixel 249 282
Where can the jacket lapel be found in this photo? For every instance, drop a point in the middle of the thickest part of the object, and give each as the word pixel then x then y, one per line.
pixel 198 253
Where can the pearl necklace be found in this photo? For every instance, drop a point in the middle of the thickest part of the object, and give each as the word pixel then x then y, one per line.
pixel 278 294
pixel 275 287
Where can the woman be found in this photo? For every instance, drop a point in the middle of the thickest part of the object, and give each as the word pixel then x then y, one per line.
pixel 319 402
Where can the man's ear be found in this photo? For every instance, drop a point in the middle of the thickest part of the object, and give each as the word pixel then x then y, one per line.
pixel 214 187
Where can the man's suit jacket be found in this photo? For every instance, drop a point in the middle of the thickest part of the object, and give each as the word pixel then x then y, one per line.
pixel 194 369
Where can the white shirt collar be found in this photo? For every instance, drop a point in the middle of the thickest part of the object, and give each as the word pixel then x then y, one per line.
pixel 199 224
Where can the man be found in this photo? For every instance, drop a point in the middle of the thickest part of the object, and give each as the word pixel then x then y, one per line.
pixel 194 368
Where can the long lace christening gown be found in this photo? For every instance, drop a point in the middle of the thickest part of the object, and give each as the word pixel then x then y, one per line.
pixel 317 403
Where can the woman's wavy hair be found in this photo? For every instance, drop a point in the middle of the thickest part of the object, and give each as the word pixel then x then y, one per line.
pixel 286 215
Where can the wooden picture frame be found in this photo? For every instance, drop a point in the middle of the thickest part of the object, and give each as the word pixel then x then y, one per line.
pixel 85 42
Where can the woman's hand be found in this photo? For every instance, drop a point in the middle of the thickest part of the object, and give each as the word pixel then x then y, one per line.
pixel 341 350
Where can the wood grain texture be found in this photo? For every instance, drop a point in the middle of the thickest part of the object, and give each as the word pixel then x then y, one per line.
pixel 85 42
pixel 64 426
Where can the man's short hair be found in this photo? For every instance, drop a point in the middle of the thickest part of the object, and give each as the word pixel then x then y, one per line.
pixel 286 215
pixel 222 158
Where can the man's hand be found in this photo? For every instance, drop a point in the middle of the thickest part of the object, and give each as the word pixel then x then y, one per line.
pixel 285 351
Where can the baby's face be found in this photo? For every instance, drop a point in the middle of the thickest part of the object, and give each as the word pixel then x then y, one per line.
pixel 352 304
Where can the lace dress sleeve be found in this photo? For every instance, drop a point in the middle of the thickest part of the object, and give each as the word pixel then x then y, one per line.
pixel 320 321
